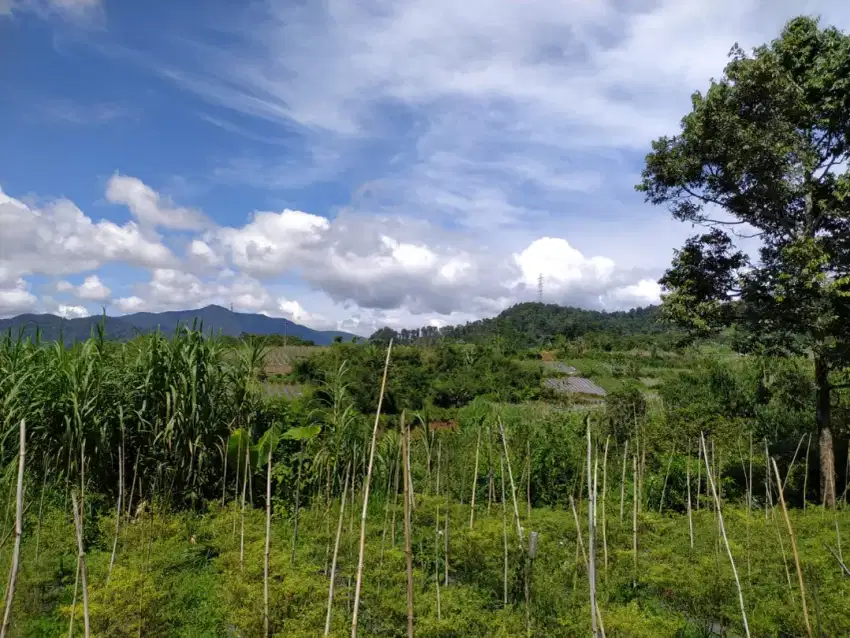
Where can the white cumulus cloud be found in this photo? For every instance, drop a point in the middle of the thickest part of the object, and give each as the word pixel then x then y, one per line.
pixel 149 207
pixel 92 289
pixel 72 312
pixel 57 238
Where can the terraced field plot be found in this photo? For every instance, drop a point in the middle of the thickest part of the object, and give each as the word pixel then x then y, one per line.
pixel 574 385
pixel 280 359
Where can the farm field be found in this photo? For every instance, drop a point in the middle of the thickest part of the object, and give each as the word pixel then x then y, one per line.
pixel 189 474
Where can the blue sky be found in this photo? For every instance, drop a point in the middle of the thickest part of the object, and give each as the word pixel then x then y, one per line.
pixel 347 164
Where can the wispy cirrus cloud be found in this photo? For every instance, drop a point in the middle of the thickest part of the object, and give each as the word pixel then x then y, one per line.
pixel 500 114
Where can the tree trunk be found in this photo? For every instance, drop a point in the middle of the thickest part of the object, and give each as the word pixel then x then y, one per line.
pixel 827 455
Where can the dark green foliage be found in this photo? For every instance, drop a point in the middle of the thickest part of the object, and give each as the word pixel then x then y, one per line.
pixel 444 376
pixel 270 340
pixel 535 325
pixel 624 409
pixel 767 145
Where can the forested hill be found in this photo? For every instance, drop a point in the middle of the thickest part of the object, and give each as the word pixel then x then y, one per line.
pixel 214 319
pixel 534 324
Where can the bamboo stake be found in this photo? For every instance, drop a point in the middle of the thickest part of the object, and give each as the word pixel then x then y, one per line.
pixel 844 567
pixel 366 487
pixel 236 490
pixel 806 474
pixel 267 553
pixel 578 530
pixel 242 511
pixel 407 469
pixel 690 514
pixel 793 458
pixel 81 552
pixel 16 553
pixel 846 475
pixel 336 552
pixel 133 485
pixel 511 479
pixel 749 510
pixel 297 506
pixel 224 450
pixel 782 551
pixel 474 483
pixel 591 534
pixel 491 488
pixel 437 531
pixel 446 549
pixel 699 475
pixel 83 481
pixel 666 477
pixel 40 512
pixel 642 475
pixel 725 539
pixel 768 498
pixel 399 464
pixel 118 510
pixel 623 479
pixel 407 550
pixel 794 550
pixel 634 520
pixel 528 480
pixel 74 599
pixel 835 520
pixel 437 561
pixel 386 507
pixel 604 493
pixel 504 529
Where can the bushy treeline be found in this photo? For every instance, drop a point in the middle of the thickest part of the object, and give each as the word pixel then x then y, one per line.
pixel 444 376
pixel 536 325
pixel 271 341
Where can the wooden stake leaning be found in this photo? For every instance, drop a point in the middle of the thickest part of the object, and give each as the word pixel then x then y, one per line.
pixel 81 553
pixel 19 515
pixel 359 582
pixel 267 553
pixel 504 529
pixel 242 511
pixel 511 480
pixel 407 550
pixel 474 482
pixel 591 533
pixel 634 520
pixel 437 532
pixel 794 550
pixel 604 492
pixel 793 459
pixel 623 479
pixel 725 539
pixel 578 530
pixel 118 512
pixel 336 551
pixel 690 514
pixel 806 472
pixel 666 477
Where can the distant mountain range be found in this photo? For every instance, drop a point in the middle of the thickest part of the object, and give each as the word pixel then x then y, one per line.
pixel 219 320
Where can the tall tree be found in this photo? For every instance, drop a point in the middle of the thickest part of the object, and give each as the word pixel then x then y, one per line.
pixel 763 155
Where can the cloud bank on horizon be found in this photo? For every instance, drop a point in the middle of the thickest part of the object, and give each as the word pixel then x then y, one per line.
pixel 348 164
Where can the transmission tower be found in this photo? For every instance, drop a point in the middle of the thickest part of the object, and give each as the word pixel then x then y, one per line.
pixel 540 288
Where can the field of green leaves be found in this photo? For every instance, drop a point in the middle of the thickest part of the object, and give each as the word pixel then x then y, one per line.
pixel 198 493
